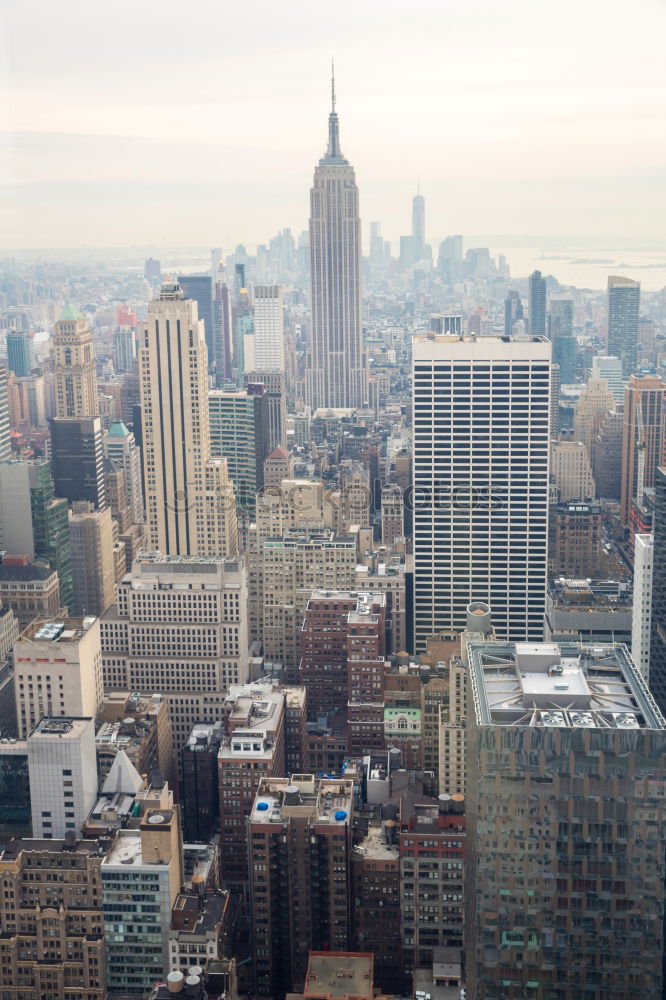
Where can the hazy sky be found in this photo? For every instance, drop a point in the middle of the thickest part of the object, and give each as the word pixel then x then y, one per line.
pixel 200 121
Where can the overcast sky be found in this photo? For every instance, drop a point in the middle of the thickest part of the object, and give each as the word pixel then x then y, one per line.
pixel 200 121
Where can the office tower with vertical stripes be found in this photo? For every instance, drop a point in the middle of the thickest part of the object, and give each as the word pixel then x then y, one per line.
pixel 336 375
pixel 624 299
pixel 190 506
pixel 480 487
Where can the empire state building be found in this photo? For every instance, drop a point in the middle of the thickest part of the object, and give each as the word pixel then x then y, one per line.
pixel 336 376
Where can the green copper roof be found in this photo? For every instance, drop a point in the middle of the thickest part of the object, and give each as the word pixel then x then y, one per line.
pixel 71 313
pixel 118 429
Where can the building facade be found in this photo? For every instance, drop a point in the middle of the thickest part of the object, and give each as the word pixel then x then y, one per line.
pixel 481 458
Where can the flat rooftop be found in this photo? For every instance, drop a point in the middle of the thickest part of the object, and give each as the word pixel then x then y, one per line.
pixel 25 574
pixel 58 630
pixel 560 685
pixel 340 974
pixel 329 801
pixel 62 726
pixel 374 846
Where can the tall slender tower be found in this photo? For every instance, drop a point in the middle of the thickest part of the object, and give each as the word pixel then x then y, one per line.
pixel 336 376
pixel 418 226
pixel 190 508
pixel 75 375
pixel 624 299
pixel 537 306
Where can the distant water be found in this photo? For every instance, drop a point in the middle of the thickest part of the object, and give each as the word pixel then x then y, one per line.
pixel 585 266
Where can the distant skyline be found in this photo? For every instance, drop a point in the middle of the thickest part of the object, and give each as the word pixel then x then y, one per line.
pixel 202 124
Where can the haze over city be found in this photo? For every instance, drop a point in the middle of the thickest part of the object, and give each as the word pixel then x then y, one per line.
pixel 201 124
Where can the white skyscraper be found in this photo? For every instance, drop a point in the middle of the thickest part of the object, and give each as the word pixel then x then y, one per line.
pixel 336 376
pixel 268 339
pixel 190 509
pixel 121 447
pixel 481 429
pixel 641 621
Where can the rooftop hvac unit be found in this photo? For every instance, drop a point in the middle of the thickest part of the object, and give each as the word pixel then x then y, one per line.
pixel 553 719
pixel 582 720
pixel 625 720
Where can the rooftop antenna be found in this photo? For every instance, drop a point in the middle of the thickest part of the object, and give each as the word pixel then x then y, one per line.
pixel 332 87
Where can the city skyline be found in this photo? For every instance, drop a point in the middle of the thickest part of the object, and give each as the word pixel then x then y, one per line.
pixel 108 160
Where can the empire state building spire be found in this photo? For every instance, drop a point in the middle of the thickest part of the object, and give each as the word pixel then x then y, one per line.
pixel 336 375
pixel 333 153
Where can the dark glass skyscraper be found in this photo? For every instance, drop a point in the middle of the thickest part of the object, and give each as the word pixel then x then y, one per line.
pixel 624 299
pixel 78 459
pixel 19 353
pixel 199 287
pixel 537 316
pixel 560 331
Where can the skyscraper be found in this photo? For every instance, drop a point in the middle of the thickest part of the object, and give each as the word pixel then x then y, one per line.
pixel 190 509
pixel 481 431
pixel 624 297
pixel 418 226
pixel 5 439
pixel 537 304
pixel 268 330
pixel 336 375
pixel 199 287
pixel 642 438
pixel 513 311
pixel 560 331
pixel 74 369
pixel 20 358
pixel 657 671
pixel 78 459
pixel 564 884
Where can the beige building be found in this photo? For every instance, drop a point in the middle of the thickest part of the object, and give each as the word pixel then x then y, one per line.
pixel 642 438
pixel 74 366
pixel 571 471
pixel 190 504
pixel 51 921
pixel 294 565
pixel 31 591
pixel 179 626
pixel 57 671
pixel 385 574
pixel 595 400
pixel 93 559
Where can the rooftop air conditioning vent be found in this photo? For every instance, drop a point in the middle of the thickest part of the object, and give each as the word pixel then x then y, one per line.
pixel 553 719
pixel 582 720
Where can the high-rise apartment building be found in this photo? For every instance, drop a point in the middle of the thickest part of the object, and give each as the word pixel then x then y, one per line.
pixel 74 366
pixel 124 349
pixel 481 455
pixel 418 227
pixel 63 775
pixel 610 368
pixel 595 400
pixel 642 439
pixel 190 508
pixel 537 304
pixel 253 749
pixel 268 330
pixel 179 627
pixel 624 299
pixel 57 671
pixel 564 890
pixel 300 835
pixel 336 375
pixel 641 617
pixel 20 352
pixel 51 920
